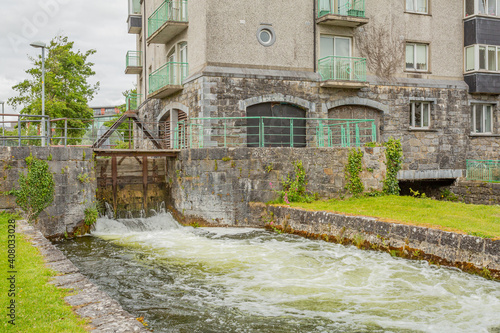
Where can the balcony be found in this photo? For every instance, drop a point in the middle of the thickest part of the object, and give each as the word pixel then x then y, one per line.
pixel 134 17
pixel 483 83
pixel 167 79
pixel 344 13
pixel 342 72
pixel 134 62
pixel 133 101
pixel 170 19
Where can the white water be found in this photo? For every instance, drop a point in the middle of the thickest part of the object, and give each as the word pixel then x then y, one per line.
pixel 316 286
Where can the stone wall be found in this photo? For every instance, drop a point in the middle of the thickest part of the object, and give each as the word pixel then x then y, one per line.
pixel 472 254
pixel 434 153
pixel 72 196
pixel 475 192
pixel 217 184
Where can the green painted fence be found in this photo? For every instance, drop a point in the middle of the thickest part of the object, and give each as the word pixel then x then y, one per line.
pixel 133 101
pixel 234 132
pixel 354 8
pixel 134 59
pixel 170 10
pixel 483 170
pixel 172 73
pixel 342 68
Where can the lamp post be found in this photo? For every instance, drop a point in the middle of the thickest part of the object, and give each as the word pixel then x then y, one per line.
pixel 3 123
pixel 41 45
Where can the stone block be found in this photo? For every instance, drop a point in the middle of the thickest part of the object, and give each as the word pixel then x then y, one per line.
pixel 450 239
pixel 199 154
pixel 434 236
pixel 400 231
pixel 472 244
pixel 418 234
pixel 492 247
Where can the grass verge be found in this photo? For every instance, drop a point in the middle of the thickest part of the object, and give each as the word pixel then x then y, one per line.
pixel 40 306
pixel 477 220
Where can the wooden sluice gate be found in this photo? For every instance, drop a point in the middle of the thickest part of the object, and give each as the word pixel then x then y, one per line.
pixel 132 181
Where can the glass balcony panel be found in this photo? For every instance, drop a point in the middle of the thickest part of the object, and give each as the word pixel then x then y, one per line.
pixel 170 74
pixel 170 10
pixel 134 7
pixel 342 68
pixel 354 8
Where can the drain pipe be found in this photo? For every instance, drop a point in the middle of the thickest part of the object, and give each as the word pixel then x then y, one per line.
pixel 314 29
pixel 145 70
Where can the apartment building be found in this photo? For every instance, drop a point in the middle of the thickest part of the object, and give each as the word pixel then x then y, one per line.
pixel 426 71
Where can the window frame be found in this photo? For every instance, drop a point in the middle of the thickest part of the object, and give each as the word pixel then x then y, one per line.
pixel 484 108
pixel 414 69
pixel 476 8
pixel 413 108
pixel 415 11
pixel 486 58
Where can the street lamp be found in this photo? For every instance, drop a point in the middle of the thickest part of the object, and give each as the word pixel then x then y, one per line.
pixel 41 45
pixel 3 123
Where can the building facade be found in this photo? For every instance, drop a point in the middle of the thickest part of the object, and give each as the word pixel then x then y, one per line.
pixel 425 71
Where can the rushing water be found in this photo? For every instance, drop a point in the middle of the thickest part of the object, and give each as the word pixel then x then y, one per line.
pixel 183 279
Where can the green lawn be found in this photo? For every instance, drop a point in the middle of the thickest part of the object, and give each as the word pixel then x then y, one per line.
pixel 40 307
pixel 479 220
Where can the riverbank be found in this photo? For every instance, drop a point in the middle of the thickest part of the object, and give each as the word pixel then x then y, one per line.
pixel 469 253
pixel 476 220
pixel 51 295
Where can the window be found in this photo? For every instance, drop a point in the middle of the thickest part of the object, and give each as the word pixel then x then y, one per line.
pixel 335 61
pixel 416 57
pixel 482 118
pixel 482 7
pixel 420 115
pixel 417 6
pixel 482 57
pixel 266 35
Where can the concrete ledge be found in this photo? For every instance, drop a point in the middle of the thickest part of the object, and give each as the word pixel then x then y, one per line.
pixel 429 174
pixel 471 254
pixel 105 314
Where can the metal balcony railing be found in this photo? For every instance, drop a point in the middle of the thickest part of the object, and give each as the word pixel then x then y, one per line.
pixel 133 101
pixel 134 7
pixel 342 68
pixel 170 10
pixel 134 59
pixel 273 132
pixel 354 8
pixel 172 73
pixel 483 170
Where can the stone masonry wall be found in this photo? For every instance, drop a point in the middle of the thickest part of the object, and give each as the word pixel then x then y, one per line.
pixel 72 196
pixel 475 192
pixel 442 148
pixel 472 254
pixel 217 184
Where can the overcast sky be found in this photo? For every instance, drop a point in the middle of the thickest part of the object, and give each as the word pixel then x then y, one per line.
pixel 91 24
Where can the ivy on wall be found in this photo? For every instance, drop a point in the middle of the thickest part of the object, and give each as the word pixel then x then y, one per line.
pixel 36 188
pixel 351 172
pixel 394 159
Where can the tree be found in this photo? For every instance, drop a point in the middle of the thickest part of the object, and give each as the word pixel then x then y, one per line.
pixel 384 53
pixel 67 92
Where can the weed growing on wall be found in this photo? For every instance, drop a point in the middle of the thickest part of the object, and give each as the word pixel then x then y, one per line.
pixel 294 187
pixel 394 159
pixel 36 188
pixel 352 171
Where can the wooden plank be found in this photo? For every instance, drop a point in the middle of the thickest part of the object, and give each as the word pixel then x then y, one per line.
pixel 145 182
pixel 114 175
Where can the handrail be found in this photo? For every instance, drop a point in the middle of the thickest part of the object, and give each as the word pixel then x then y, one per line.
pixel 342 68
pixel 169 10
pixel 134 58
pixel 483 170
pixel 353 8
pixel 172 73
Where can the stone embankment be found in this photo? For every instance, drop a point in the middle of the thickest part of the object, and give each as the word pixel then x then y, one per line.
pixel 472 254
pixel 104 313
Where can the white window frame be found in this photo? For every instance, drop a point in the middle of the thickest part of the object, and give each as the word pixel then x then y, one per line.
pixel 476 8
pixel 413 107
pixel 477 59
pixel 415 57
pixel 416 9
pixel 483 110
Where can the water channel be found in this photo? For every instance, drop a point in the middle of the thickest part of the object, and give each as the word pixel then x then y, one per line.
pixel 184 279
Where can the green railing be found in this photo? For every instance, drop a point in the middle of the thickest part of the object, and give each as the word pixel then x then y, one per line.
pixel 342 68
pixel 172 73
pixel 273 132
pixel 483 170
pixel 133 101
pixel 134 59
pixel 355 8
pixel 170 10
pixel 134 7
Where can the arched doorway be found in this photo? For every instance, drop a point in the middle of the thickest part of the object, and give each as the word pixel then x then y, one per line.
pixel 270 125
pixel 360 112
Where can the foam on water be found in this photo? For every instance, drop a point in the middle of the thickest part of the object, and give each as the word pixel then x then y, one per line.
pixel 262 278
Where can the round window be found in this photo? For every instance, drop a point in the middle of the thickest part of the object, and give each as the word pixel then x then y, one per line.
pixel 265 35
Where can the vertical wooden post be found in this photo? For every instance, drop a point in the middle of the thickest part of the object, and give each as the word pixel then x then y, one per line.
pixel 114 174
pixel 145 183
